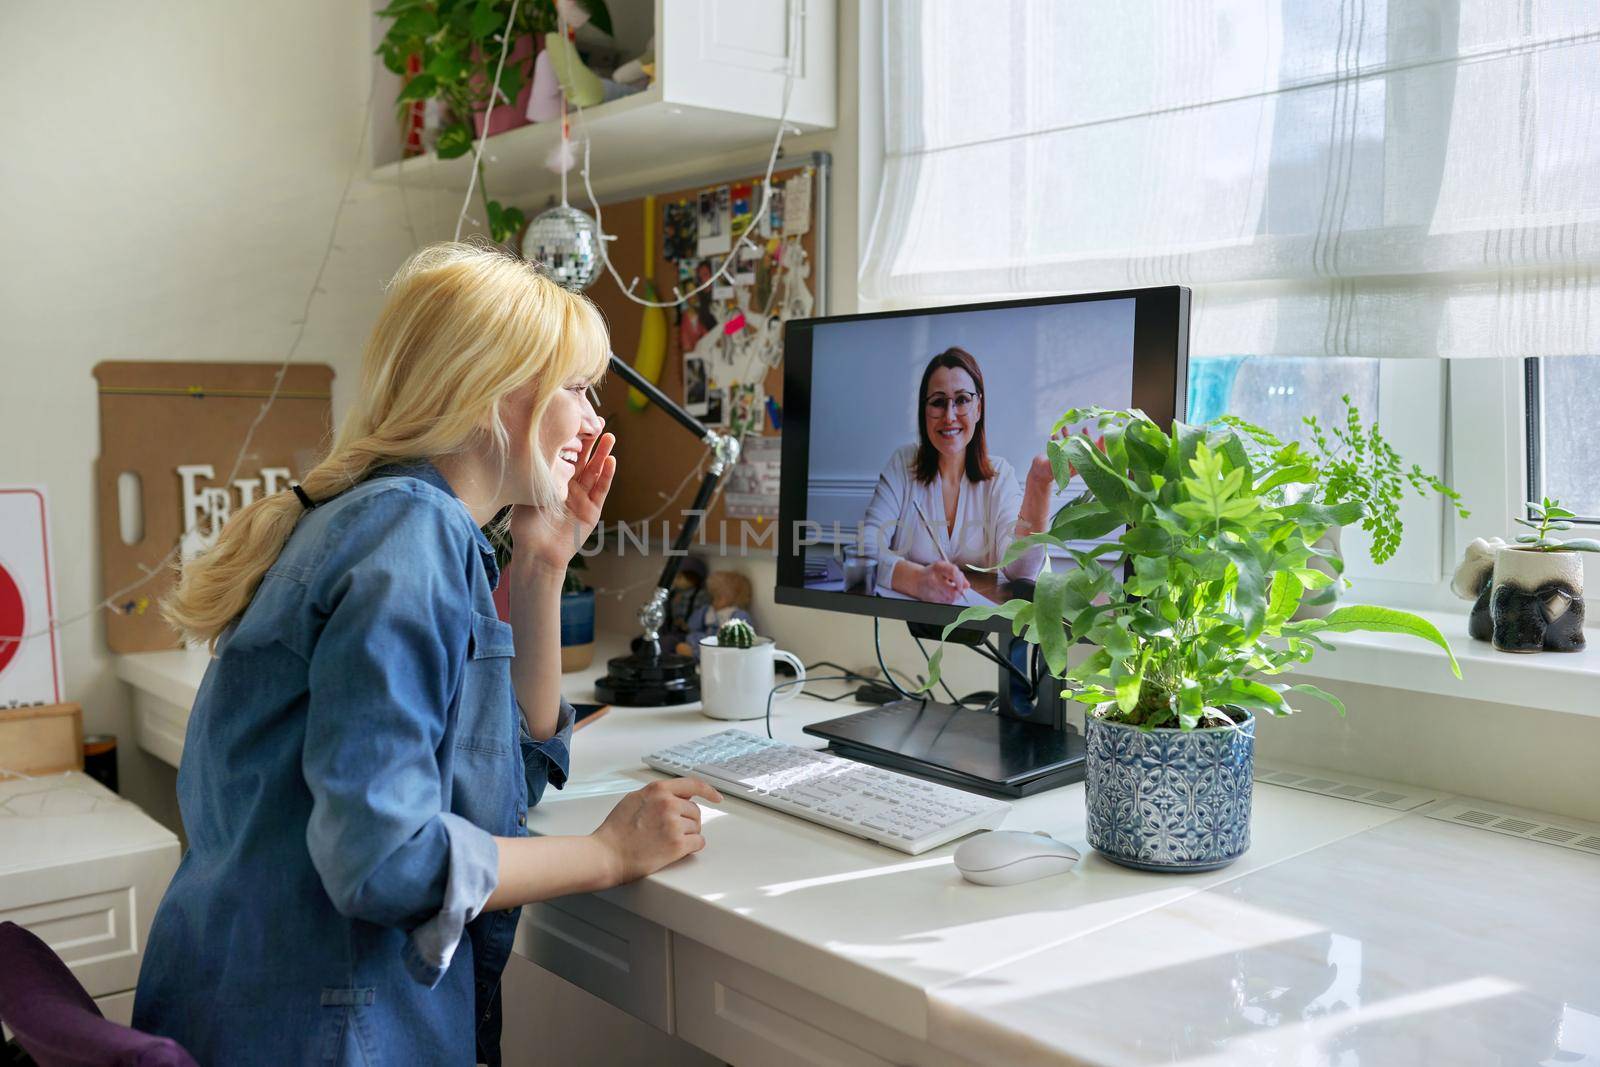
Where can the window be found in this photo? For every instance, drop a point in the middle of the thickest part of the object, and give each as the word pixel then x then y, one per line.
pixel 1277 393
pixel 1563 398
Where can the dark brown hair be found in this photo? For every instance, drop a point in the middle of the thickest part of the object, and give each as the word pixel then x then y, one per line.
pixel 979 469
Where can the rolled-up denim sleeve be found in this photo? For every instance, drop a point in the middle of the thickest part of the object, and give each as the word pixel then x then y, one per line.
pixel 383 674
pixel 549 761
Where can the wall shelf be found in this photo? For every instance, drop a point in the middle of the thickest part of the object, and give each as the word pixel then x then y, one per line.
pixel 718 91
pixel 630 137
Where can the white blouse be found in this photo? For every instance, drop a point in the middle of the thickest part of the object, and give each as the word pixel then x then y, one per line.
pixel 985 526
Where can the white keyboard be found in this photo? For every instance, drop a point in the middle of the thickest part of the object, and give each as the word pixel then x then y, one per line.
pixel 892 809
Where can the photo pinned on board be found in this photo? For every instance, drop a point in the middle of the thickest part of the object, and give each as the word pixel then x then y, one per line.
pixel 694 385
pixel 680 231
pixel 715 232
pixel 714 413
pixel 742 206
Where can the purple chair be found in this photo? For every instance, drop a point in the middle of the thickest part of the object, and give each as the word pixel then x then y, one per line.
pixel 57 1023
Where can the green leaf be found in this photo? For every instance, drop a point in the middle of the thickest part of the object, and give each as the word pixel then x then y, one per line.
pixel 1284 598
pixel 418 22
pixel 454 140
pixel 1581 544
pixel 976 613
pixel 1320 694
pixel 1527 539
pixel 1127 688
pixel 419 88
pixel 1085 522
pixel 1191 704
pixel 1311 578
pixel 1253 694
pixel 1049 609
pixel 485 19
pixel 1109 487
pixel 1021 545
pixel 1286 476
pixel 447 67
pixel 1374 619
pixel 1555 512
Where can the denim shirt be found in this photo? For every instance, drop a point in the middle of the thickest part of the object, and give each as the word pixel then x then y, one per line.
pixel 353 750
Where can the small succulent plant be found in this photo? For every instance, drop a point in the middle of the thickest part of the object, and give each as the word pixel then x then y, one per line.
pixel 736 634
pixel 1552 516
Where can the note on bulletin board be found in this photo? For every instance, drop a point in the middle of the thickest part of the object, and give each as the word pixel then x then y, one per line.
pixel 30 660
pixel 752 487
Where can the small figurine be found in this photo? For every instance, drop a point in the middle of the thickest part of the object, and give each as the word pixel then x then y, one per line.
pixel 730 600
pixel 1474 580
pixel 1528 595
pixel 685 602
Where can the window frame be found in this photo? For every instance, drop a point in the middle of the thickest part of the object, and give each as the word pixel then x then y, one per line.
pixel 1533 424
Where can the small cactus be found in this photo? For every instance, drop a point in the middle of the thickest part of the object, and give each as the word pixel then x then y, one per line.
pixel 736 634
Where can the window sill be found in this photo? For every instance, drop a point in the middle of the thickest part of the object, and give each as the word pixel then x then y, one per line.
pixel 1552 681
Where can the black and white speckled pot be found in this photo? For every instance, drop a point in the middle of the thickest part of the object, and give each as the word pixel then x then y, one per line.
pixel 1536 604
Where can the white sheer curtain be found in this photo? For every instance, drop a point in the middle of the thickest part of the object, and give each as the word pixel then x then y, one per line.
pixel 1334 177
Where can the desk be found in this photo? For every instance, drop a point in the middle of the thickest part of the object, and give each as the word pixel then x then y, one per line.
pixel 1380 935
pixel 84 870
pixel 1345 926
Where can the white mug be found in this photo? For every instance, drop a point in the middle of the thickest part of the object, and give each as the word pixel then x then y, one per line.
pixel 734 682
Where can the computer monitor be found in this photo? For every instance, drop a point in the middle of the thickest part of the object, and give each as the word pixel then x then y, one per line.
pixel 907 441
pixel 873 403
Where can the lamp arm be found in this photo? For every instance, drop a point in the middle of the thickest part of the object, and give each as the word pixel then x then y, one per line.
pixel 626 372
pixel 724 455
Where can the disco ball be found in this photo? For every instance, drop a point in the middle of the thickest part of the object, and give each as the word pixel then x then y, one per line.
pixel 566 243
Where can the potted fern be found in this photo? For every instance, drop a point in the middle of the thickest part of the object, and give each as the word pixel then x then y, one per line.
pixel 1189 611
pixel 1349 463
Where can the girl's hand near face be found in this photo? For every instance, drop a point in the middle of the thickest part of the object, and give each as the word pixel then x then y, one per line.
pixel 550 542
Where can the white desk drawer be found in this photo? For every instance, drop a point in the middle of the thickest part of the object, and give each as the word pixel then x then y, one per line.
pixel 94 914
pixel 612 953
pixel 748 1017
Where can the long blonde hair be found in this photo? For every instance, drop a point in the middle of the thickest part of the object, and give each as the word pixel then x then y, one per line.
pixel 463 326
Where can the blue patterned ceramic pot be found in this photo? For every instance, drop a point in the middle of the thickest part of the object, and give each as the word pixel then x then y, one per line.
pixel 1170 800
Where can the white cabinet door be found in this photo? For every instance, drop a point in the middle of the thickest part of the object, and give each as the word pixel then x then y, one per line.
pixel 551 1021
pixel 747 1016
pixel 597 946
pixel 730 55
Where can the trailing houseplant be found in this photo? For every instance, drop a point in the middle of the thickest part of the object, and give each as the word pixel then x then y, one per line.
pixel 458 45
pixel 1189 608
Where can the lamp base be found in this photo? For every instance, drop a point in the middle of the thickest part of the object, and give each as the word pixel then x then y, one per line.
pixel 649 678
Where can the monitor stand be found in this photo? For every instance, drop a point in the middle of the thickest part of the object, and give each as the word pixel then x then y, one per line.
pixel 1024 748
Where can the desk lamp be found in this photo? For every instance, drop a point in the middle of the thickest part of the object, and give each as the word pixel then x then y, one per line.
pixel 651 677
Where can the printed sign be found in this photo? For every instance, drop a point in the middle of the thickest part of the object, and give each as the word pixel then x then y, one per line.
pixel 30 661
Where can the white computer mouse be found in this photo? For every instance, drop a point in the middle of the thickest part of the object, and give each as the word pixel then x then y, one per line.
pixel 1006 857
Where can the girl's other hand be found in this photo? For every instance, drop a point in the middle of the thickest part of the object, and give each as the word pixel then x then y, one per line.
pixel 654 826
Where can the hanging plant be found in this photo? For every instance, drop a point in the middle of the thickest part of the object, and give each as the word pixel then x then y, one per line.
pixel 458 44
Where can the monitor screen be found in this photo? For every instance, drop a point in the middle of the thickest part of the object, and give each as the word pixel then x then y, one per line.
pixel 913 441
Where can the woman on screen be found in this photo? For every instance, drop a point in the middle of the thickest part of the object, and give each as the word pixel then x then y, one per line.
pixel 943 502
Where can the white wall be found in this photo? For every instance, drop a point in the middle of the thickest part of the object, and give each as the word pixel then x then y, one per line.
pixel 170 175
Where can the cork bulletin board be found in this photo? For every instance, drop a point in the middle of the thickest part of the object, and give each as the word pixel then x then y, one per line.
pixel 169 435
pixel 734 340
